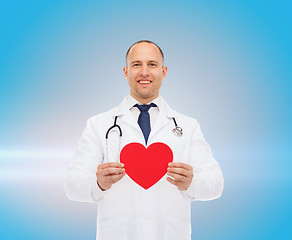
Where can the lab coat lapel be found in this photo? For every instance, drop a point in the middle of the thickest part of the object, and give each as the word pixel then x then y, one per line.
pixel 129 119
pixel 164 116
pixel 125 115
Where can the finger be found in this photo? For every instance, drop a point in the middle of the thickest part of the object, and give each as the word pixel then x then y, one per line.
pixel 111 171
pixel 180 171
pixel 113 178
pixel 111 164
pixel 119 177
pixel 178 184
pixel 172 181
pixel 177 177
pixel 180 165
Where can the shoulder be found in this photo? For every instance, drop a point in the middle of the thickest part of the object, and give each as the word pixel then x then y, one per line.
pixel 105 118
pixel 186 118
pixel 105 114
pixel 102 116
pixel 179 116
pixel 190 121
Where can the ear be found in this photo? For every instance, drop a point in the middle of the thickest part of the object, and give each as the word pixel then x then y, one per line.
pixel 164 72
pixel 125 69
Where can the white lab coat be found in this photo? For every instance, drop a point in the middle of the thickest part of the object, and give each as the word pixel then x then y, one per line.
pixel 126 210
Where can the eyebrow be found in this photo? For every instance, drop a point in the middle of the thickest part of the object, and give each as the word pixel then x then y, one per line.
pixel 153 61
pixel 135 62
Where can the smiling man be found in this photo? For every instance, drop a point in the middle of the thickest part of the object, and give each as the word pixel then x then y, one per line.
pixel 142 162
pixel 144 71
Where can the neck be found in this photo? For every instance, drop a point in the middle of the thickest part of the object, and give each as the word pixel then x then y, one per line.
pixel 144 100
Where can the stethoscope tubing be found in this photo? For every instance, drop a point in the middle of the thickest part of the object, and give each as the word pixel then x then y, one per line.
pixel 177 131
pixel 112 127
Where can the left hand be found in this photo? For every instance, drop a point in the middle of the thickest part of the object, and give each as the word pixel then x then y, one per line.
pixel 182 174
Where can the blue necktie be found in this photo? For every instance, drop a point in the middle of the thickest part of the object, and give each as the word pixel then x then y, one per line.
pixel 144 119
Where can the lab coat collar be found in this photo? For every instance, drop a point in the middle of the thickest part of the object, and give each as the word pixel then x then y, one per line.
pixel 129 101
pixel 165 115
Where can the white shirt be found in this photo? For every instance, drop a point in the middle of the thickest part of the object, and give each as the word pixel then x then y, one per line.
pixel 153 111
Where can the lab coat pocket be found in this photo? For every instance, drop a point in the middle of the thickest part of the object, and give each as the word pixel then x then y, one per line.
pixel 176 229
pixel 114 229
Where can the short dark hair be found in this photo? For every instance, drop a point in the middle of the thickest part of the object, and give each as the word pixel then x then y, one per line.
pixel 147 41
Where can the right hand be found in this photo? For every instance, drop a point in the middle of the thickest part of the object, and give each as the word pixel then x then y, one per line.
pixel 108 174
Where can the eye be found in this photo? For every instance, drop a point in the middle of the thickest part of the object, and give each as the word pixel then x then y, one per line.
pixel 135 65
pixel 152 64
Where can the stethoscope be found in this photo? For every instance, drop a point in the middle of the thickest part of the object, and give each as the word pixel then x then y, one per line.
pixel 177 131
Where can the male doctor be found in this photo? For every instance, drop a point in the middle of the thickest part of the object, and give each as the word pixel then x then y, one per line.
pixel 99 173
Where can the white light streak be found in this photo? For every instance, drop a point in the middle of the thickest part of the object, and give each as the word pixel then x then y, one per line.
pixel 4 154
pixel 34 164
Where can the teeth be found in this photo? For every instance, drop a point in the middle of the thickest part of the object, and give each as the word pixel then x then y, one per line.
pixel 144 82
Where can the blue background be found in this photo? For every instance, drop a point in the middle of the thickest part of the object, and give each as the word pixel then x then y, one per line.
pixel 229 66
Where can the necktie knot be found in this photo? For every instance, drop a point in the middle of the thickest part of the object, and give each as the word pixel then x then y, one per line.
pixel 145 108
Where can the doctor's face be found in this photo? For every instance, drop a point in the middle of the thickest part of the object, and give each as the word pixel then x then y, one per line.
pixel 144 71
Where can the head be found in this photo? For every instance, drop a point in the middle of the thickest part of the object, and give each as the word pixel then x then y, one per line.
pixel 144 70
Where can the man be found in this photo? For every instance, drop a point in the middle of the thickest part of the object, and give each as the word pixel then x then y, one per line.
pixel 126 177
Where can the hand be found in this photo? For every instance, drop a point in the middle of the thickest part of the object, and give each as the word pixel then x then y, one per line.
pixel 182 174
pixel 109 173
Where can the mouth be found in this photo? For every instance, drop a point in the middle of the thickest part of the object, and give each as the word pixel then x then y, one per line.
pixel 144 82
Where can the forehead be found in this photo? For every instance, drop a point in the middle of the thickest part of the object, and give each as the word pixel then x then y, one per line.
pixel 144 52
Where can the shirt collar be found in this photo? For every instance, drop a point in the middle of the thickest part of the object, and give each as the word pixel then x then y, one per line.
pixel 130 101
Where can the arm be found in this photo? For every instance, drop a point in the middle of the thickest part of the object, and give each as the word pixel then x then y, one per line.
pixel 81 181
pixel 208 182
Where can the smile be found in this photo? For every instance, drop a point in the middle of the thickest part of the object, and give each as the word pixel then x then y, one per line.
pixel 144 82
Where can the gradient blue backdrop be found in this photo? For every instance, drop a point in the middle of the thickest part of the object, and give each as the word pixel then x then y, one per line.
pixel 230 61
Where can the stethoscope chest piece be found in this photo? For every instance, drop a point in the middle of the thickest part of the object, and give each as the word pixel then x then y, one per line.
pixel 178 131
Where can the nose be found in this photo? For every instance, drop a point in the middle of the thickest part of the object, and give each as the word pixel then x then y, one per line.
pixel 144 71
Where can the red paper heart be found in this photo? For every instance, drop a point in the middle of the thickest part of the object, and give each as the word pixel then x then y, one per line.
pixel 146 166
